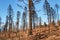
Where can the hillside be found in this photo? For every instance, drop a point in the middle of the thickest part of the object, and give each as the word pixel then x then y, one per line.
pixel 39 33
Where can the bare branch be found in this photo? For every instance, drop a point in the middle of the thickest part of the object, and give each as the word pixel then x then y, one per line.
pixel 20 6
pixel 37 1
pixel 23 2
pixel 20 0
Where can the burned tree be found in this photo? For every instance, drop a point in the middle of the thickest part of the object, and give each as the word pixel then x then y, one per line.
pixel 18 17
pixel 34 19
pixel 32 15
pixel 57 8
pixel 6 24
pixel 46 7
pixel 24 19
pixel 40 21
pixel 45 25
pixel 30 6
pixel 49 11
pixel 10 17
pixel 52 15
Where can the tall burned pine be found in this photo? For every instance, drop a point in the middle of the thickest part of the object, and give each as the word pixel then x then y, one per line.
pixel 30 6
pixel 46 7
pixel 32 15
pixel 31 12
pixel 10 17
pixel 18 17
pixel 6 24
pixel 24 18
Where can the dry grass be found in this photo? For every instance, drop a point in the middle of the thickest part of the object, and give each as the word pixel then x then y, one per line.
pixel 42 33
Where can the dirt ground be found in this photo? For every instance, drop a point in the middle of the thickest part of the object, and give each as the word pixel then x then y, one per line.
pixel 41 33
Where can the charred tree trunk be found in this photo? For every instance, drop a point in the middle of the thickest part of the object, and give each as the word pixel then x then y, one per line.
pixel 6 24
pixel 10 15
pixel 18 16
pixel 30 17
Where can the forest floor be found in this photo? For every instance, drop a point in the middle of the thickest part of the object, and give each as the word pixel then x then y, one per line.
pixel 41 33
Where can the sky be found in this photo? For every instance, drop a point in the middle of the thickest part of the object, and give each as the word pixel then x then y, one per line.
pixel 5 3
